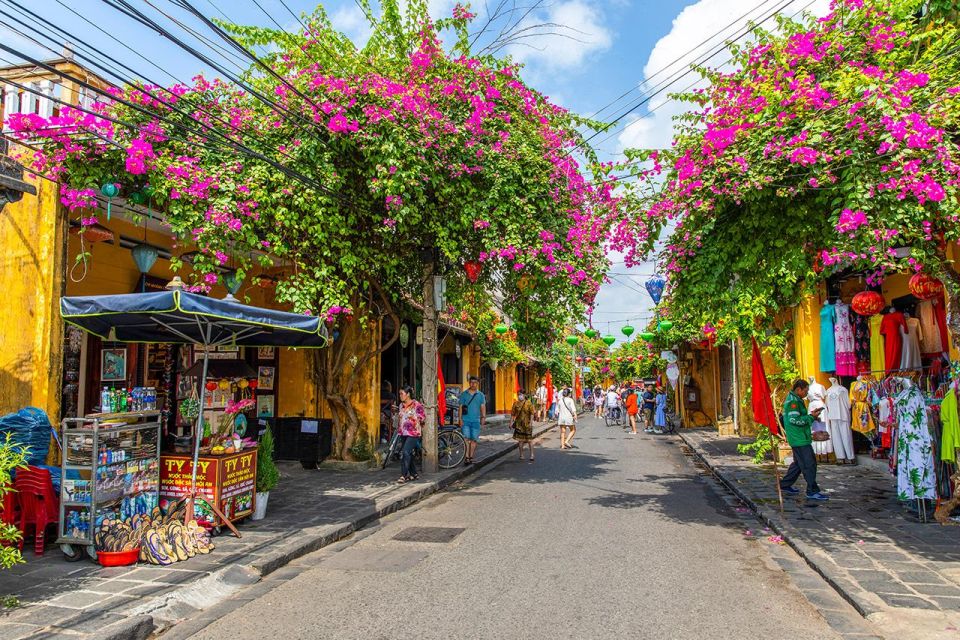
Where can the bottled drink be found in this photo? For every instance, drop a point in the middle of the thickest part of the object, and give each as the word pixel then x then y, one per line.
pixel 105 400
pixel 123 399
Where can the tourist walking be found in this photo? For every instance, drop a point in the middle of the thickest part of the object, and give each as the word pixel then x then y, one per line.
pixel 567 419
pixel 473 415
pixel 541 401
pixel 412 417
pixel 797 423
pixel 598 401
pixel 660 412
pixel 649 405
pixel 522 415
pixel 632 408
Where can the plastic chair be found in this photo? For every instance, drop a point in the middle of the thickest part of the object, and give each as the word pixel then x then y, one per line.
pixel 39 506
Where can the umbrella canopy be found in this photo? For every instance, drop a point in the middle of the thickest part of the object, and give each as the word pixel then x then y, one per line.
pixel 187 318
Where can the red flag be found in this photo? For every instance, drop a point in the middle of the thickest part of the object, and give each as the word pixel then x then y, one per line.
pixel 763 411
pixel 549 383
pixel 441 393
pixel 577 392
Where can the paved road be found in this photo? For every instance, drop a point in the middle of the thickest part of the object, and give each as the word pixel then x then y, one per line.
pixel 621 538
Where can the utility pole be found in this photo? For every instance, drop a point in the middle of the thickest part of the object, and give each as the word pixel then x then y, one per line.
pixel 429 367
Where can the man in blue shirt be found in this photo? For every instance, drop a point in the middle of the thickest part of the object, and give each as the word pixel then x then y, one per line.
pixel 473 415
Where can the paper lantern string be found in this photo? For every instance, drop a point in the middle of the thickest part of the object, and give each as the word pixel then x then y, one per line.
pixel 109 190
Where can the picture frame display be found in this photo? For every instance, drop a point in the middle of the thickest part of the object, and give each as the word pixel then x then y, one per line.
pixel 265 378
pixel 113 365
pixel 264 406
pixel 266 353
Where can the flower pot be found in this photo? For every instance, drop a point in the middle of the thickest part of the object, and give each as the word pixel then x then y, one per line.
pixel 260 511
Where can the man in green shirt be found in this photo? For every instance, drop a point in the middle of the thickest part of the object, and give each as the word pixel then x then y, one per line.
pixel 796 424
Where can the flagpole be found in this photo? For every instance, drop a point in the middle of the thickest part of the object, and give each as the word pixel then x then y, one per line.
pixel 776 469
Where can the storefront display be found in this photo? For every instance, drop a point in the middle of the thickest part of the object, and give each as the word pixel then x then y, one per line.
pixel 111 471
pixel 227 480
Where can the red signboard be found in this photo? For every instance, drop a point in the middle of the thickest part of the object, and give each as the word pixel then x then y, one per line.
pixel 229 481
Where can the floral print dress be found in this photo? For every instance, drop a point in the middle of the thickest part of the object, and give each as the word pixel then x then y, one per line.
pixel 915 473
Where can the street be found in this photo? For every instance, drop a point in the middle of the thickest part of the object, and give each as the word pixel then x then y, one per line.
pixel 620 538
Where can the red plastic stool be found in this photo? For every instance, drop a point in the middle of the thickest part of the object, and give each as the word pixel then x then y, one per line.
pixel 39 506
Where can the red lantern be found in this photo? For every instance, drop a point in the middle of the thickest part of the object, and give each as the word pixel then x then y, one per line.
pixel 212 386
pixel 579 359
pixel 925 287
pixel 472 267
pixel 867 303
pixel 253 383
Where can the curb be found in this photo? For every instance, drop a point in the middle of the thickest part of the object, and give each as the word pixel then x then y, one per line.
pixel 307 541
pixel 854 596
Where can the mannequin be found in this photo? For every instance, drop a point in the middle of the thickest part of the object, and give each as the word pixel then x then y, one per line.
pixel 838 422
pixel 910 357
pixel 845 346
pixel 817 396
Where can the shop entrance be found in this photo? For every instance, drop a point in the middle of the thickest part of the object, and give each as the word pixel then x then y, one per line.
pixel 488 384
pixel 726 381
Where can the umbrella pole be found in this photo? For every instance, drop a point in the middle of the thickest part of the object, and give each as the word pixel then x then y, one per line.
pixel 198 434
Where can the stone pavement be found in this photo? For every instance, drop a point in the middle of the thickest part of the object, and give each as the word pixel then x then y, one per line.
pixel 867 545
pixel 308 510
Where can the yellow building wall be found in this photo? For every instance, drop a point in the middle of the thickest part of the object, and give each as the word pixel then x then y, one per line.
pixel 31 278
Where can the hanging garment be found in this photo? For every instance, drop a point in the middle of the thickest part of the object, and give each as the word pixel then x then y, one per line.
pixel 861 416
pixel 887 416
pixel 893 340
pixel 940 311
pixel 877 362
pixel 950 442
pixel 838 421
pixel 861 342
pixel 915 474
pixel 828 362
pixel 845 345
pixel 929 331
pixel 910 356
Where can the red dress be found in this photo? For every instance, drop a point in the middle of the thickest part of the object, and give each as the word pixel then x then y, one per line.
pixel 893 343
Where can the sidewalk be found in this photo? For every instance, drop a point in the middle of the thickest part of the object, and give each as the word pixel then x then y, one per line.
pixel 308 510
pixel 880 558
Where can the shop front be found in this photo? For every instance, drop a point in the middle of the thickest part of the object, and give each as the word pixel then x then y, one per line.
pixel 879 361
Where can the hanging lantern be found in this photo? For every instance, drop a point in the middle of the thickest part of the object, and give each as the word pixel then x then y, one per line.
pixel 224 385
pixel 867 303
pixel 627 330
pixel 138 197
pixel 608 339
pixel 648 336
pixel 145 256
pixel 232 282
pixel 665 325
pixel 925 287
pixel 572 340
pixel 109 190
pixel 253 383
pixel 579 359
pixel 501 329
pixel 591 333
pixel 619 358
pixel 654 287
pixel 211 385
pixel 473 268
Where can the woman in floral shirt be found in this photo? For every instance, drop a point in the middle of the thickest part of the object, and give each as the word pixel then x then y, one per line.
pixel 411 419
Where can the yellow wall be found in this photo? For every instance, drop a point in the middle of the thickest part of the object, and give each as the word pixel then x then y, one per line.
pixel 31 268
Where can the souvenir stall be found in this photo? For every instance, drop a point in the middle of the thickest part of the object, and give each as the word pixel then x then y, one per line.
pixel 885 354
pixel 210 481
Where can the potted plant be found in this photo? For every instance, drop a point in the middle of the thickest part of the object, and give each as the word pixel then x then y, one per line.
pixel 267 474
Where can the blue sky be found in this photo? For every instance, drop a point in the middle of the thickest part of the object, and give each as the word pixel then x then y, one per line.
pixel 610 47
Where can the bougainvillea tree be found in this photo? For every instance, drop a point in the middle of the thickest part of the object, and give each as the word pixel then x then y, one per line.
pixel 830 145
pixel 345 171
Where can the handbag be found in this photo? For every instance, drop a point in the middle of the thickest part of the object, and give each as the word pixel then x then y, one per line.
pixel 820 436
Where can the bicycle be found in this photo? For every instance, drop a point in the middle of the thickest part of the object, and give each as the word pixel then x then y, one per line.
pixel 451 448
pixel 613 416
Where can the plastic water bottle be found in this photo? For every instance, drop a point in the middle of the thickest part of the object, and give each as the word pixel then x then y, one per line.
pixel 105 400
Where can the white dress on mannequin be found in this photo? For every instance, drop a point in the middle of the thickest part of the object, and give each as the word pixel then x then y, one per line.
pixel 910 358
pixel 817 395
pixel 838 420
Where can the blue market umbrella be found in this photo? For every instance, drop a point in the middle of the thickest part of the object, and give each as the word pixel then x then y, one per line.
pixel 179 317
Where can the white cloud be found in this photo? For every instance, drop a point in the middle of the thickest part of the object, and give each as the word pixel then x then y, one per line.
pixel 579 32
pixel 694 35
pixel 350 20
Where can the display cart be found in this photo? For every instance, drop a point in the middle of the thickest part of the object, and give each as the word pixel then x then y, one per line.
pixel 227 481
pixel 110 470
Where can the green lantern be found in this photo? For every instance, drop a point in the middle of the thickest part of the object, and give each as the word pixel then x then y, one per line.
pixel 627 330
pixel 648 336
pixel 665 325
pixel 572 340
pixel 501 329
pixel 232 282
pixel 609 340
pixel 110 191
pixel 138 197
pixel 591 333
